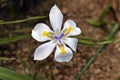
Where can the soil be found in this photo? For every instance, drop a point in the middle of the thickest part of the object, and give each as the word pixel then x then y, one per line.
pixel 105 67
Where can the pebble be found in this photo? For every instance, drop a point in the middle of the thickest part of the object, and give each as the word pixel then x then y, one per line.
pixel 64 10
pixel 91 78
pixel 113 60
pixel 55 71
pixel 59 77
pixel 97 71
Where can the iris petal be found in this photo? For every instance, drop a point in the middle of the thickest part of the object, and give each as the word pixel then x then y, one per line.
pixel 56 18
pixel 39 30
pixel 72 43
pixel 71 28
pixel 66 57
pixel 44 50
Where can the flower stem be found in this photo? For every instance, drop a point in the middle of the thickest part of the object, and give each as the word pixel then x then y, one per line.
pixel 109 37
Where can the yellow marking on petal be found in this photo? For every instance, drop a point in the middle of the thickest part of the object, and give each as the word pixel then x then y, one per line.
pixel 45 33
pixel 48 34
pixel 62 49
pixel 70 29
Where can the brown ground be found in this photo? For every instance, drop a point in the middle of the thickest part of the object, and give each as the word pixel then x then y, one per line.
pixel 105 67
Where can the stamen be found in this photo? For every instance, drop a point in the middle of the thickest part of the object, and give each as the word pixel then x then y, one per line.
pixel 62 49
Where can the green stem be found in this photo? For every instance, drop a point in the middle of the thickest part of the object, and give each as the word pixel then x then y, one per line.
pixel 110 36
pixel 23 20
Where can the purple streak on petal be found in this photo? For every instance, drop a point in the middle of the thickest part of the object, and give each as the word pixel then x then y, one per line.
pixel 55 37
pixel 58 38
pixel 60 41
pixel 61 35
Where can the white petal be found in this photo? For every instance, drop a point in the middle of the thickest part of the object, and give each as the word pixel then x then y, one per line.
pixel 44 50
pixel 63 57
pixel 72 43
pixel 56 18
pixel 76 30
pixel 37 32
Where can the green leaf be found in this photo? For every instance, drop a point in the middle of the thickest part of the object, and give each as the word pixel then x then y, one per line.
pixel 23 30
pixel 1 20
pixel 101 18
pixel 13 39
pixel 93 22
pixel 106 42
pixel 118 78
pixel 86 42
pixel 23 20
pixel 4 58
pixel 111 36
pixel 7 74
pixel 104 13
pixel 86 38
pixel 89 62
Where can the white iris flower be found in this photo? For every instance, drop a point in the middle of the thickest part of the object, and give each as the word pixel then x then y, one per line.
pixel 57 38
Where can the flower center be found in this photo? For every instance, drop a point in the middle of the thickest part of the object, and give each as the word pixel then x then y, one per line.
pixel 58 38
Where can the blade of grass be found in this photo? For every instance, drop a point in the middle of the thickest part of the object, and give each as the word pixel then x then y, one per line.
pixel 1 20
pixel 110 36
pixel 105 42
pixel 23 30
pixel 4 58
pixel 35 75
pixel 87 38
pixel 101 18
pixel 118 78
pixel 28 74
pixel 23 20
pixel 93 22
pixel 24 64
pixel 104 13
pixel 7 74
pixel 13 39
pixel 86 42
